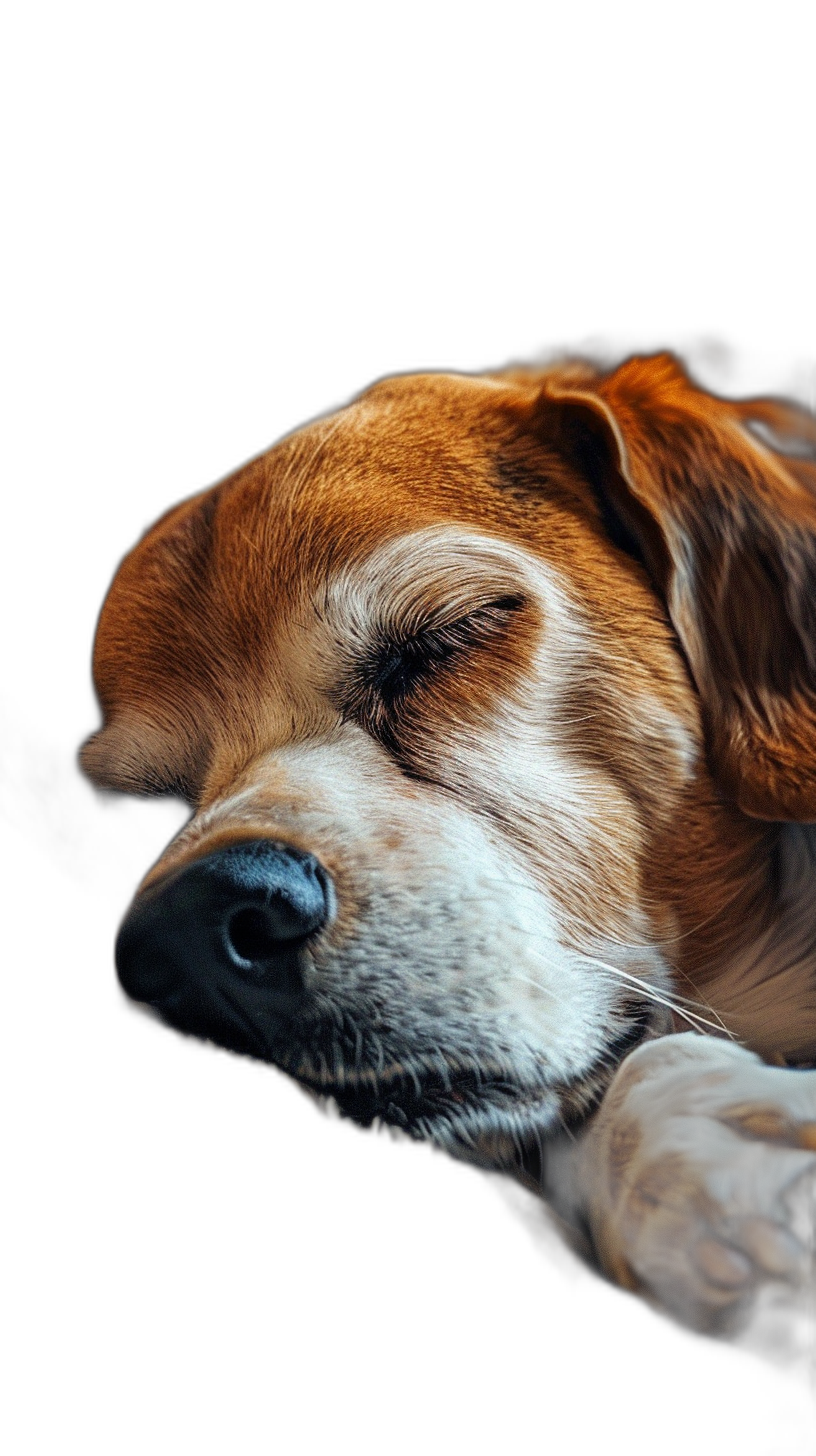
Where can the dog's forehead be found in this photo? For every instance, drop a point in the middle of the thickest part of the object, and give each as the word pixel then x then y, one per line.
pixel 410 450
pixel 191 637
pixel 410 453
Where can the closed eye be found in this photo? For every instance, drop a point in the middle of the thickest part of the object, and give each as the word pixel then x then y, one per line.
pixel 398 665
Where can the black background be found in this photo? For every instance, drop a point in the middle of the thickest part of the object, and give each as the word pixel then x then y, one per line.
pixel 225 1247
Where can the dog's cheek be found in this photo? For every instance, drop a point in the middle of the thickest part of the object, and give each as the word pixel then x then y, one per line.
pixel 568 820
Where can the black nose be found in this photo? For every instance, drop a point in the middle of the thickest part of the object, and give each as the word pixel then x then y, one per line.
pixel 238 917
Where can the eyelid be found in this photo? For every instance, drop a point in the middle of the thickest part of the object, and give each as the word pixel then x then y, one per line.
pixel 437 623
pixel 395 660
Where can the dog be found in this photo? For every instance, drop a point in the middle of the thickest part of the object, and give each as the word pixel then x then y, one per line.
pixel 494 701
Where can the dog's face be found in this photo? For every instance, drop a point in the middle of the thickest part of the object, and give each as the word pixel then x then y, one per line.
pixel 452 799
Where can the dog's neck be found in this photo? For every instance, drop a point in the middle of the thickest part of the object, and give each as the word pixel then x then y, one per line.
pixel 766 989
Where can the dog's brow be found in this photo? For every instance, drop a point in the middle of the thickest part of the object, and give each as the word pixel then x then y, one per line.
pixel 432 576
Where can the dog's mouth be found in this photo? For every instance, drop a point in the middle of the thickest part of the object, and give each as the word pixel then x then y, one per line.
pixel 482 1110
pixel 440 1104
pixel 414 1100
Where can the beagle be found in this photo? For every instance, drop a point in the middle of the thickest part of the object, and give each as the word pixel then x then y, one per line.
pixel 494 701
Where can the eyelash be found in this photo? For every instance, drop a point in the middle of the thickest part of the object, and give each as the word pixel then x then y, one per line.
pixel 395 667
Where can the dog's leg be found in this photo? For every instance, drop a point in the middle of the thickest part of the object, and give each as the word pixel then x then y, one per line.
pixel 695 1182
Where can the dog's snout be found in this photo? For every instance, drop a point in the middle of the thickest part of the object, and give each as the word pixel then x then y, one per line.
pixel 241 913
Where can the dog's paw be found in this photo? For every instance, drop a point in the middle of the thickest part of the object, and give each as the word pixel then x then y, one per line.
pixel 700 1180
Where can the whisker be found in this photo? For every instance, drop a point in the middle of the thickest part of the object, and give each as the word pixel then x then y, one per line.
pixel 677 1003
pixel 650 992
pixel 691 1017
pixel 689 1001
pixel 546 990
pixel 633 947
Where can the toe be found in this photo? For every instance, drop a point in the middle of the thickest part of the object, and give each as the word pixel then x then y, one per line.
pixel 721 1265
pixel 773 1248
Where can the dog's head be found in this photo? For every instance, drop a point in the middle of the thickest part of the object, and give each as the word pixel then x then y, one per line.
pixel 471 687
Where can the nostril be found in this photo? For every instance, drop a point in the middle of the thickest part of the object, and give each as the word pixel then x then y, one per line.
pixel 254 934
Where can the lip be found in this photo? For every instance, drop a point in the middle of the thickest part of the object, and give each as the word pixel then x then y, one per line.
pixel 407 1099
pixel 422 1101
pixel 414 1099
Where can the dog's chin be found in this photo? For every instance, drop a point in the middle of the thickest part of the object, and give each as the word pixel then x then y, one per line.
pixel 484 1113
pixel 425 1104
pixel 475 1112
pixel 480 1118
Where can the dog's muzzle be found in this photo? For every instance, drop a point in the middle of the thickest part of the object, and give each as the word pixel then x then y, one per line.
pixel 202 943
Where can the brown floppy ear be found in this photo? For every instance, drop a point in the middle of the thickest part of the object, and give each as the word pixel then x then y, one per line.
pixel 721 498
pixel 789 431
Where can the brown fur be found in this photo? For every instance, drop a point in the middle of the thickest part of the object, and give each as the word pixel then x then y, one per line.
pixel 593 803
pixel 200 663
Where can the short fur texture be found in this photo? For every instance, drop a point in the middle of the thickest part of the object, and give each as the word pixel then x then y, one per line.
pixel 528 662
